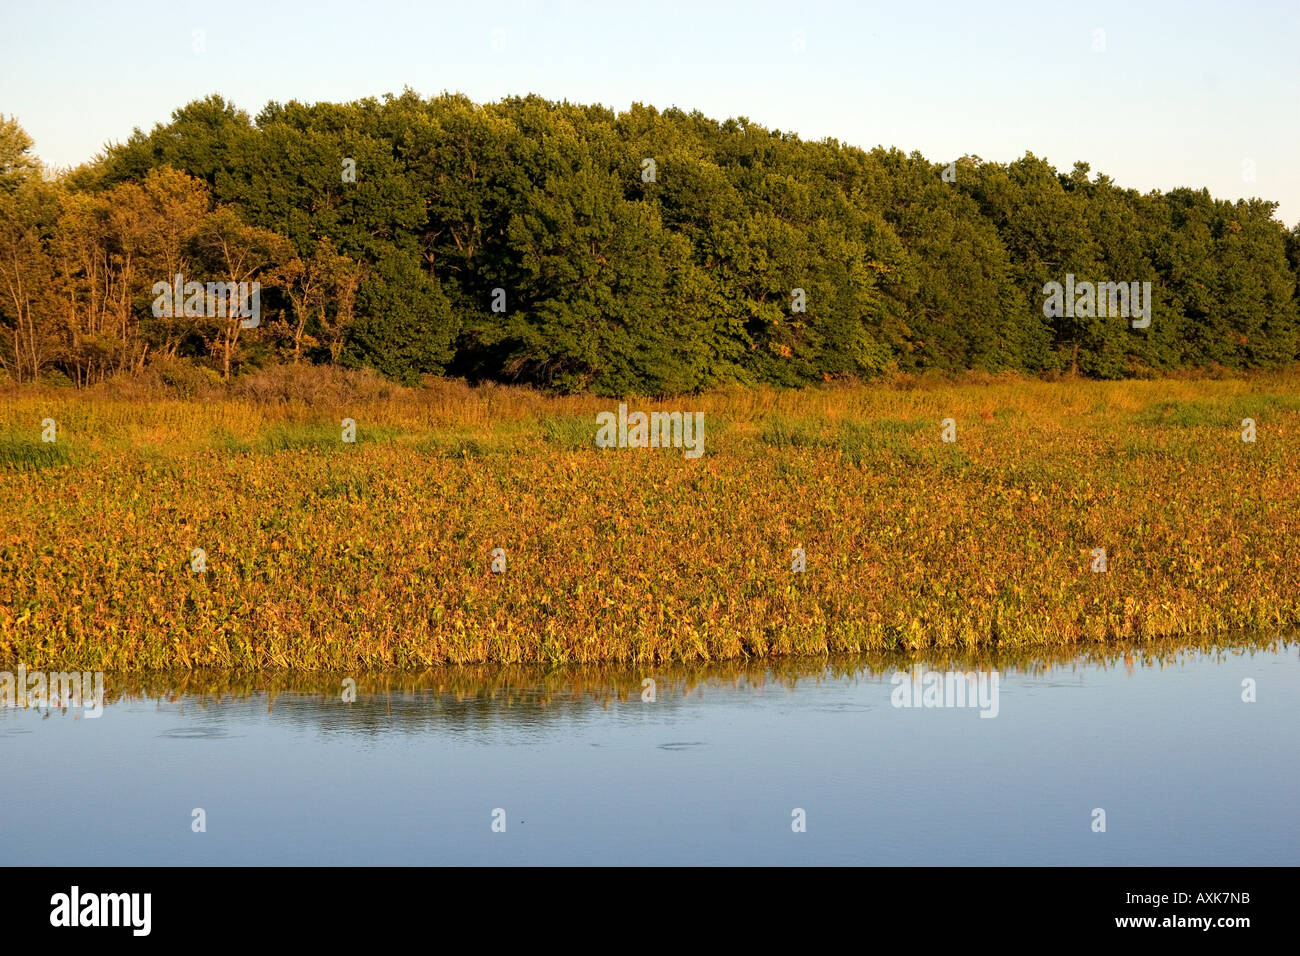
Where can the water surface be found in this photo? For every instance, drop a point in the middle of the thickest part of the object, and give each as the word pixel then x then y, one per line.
pixel 710 771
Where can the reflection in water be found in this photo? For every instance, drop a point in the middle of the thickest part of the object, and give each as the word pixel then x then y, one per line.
pixel 453 690
pixel 676 764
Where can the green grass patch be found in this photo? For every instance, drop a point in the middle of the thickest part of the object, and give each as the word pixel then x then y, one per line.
pixel 781 432
pixel 569 432
pixel 23 454
pixel 1217 414
pixel 860 442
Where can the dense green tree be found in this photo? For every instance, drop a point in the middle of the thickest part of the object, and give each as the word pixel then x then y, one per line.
pixel 646 251
pixel 404 326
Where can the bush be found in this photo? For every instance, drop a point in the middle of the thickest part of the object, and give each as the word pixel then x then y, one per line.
pixel 181 378
pixel 314 385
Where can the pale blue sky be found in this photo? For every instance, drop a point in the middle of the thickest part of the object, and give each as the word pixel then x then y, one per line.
pixel 1182 94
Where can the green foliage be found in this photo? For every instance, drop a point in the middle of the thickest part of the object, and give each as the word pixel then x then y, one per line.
pixel 1229 413
pixel 569 432
pixel 406 326
pixel 858 441
pixel 26 455
pixel 617 283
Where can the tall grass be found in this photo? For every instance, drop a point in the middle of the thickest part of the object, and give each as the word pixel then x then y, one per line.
pixel 324 555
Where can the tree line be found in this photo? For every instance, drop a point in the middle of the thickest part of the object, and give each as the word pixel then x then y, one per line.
pixel 580 249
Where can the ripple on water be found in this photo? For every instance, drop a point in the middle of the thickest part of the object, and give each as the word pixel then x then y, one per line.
pixel 195 733
pixel 842 708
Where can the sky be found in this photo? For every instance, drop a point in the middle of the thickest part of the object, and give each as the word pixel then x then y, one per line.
pixel 1156 96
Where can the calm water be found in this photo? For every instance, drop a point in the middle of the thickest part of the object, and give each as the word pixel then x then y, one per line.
pixel 710 771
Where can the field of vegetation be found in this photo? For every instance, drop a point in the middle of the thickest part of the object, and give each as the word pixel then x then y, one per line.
pixel 323 555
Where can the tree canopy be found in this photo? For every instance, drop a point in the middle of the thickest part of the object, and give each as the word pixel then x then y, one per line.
pixel 580 249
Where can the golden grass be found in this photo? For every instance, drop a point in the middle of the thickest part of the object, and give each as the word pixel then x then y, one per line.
pixel 324 556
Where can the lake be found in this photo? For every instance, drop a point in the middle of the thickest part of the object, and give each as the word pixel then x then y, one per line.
pixel 887 760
